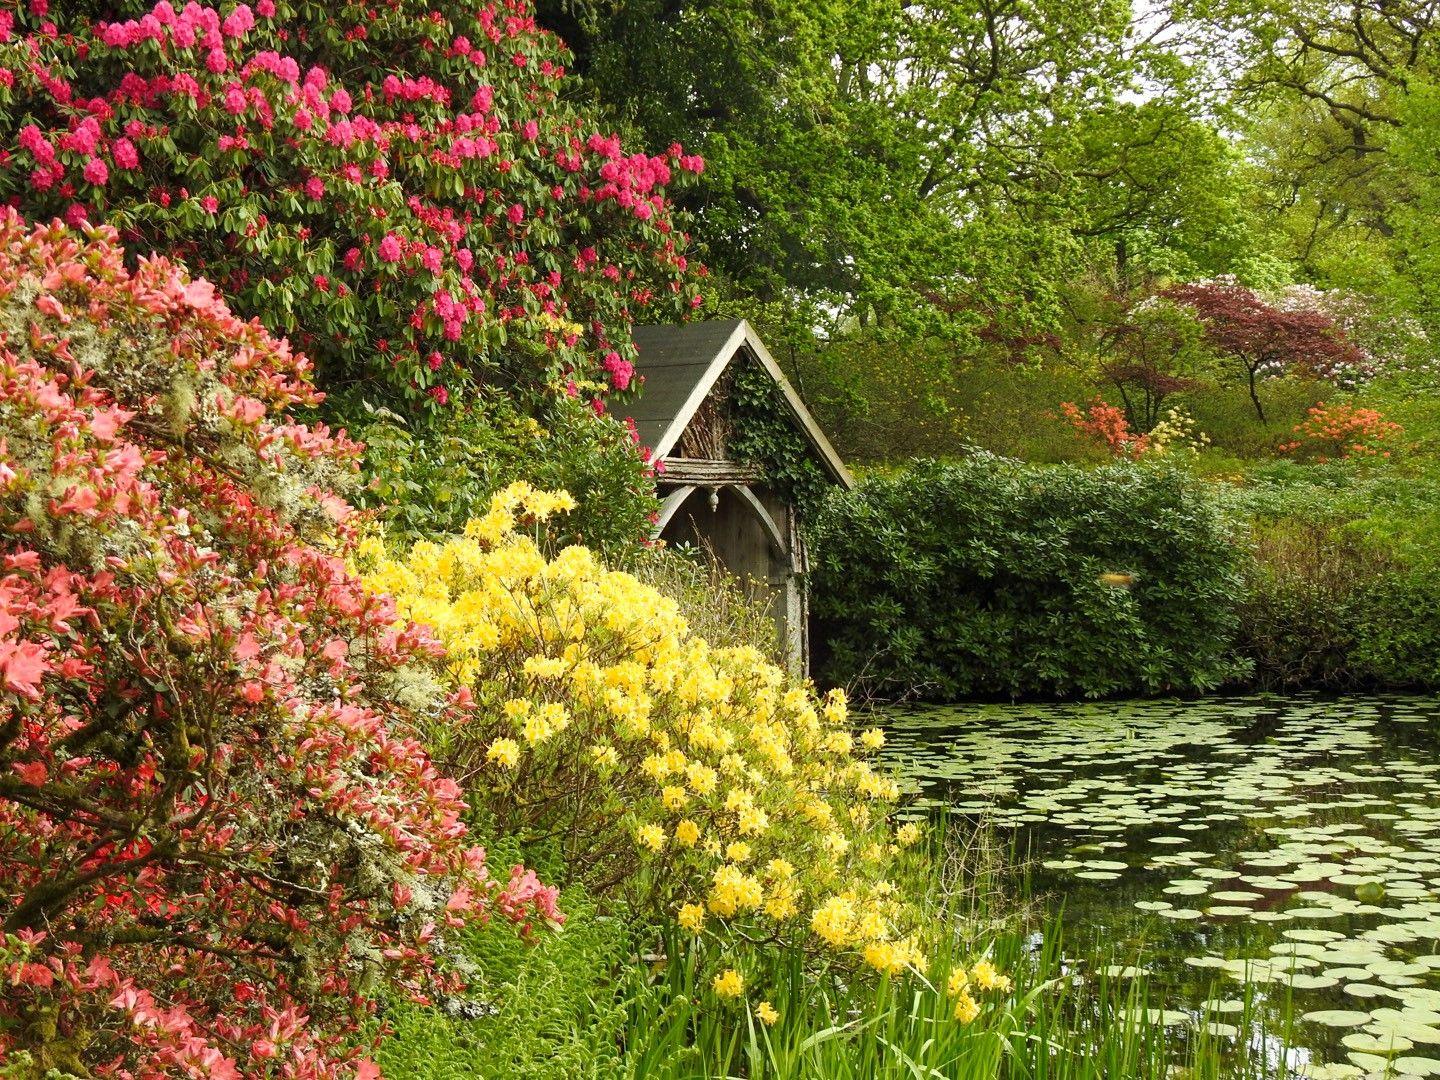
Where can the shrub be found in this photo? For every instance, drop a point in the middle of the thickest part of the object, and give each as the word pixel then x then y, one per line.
pixel 403 186
pixel 429 483
pixel 695 783
pixel 217 834
pixel 1226 415
pixel 1307 584
pixel 1177 435
pixel 725 610
pixel 1341 581
pixel 990 577
pixel 1336 431
pixel 1397 634
pixel 1106 425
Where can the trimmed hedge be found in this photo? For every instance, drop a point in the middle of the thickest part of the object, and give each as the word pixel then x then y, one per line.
pixel 987 577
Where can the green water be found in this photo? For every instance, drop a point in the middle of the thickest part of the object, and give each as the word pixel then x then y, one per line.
pixel 1270 867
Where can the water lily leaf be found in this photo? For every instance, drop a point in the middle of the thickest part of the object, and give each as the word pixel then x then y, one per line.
pixel 1366 1043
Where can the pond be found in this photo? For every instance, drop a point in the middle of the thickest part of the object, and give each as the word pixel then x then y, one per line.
pixel 1264 864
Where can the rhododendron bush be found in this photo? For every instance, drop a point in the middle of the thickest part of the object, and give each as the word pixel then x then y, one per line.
pixel 699 783
pixel 218 837
pixel 400 185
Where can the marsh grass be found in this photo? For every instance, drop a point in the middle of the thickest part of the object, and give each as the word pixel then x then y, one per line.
pixel 604 999
pixel 1058 1026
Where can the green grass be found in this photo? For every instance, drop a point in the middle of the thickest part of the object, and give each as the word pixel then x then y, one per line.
pixel 545 1009
pixel 603 1000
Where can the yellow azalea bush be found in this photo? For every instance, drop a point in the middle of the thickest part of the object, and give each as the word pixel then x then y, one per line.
pixel 699 781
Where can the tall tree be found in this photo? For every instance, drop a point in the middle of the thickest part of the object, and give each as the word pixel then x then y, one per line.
pixel 931 167
pixel 1325 90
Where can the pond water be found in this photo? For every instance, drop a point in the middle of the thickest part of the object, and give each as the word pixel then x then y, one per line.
pixel 1264 864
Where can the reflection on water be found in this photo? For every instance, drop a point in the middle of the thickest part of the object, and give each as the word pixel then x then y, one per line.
pixel 1283 851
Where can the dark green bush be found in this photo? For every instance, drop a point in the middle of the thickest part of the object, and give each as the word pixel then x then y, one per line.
pixel 1308 585
pixel 1398 634
pixel 989 577
pixel 1342 587
pixel 428 481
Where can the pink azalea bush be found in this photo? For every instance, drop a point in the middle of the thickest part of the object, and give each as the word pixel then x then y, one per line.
pixel 402 187
pixel 218 835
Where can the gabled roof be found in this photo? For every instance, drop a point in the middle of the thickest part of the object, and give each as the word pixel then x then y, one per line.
pixel 681 365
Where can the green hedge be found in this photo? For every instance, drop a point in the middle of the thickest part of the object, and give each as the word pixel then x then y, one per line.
pixel 989 577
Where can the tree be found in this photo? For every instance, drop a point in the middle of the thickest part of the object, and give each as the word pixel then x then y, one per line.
pixel 1145 345
pixel 1416 238
pixel 1324 90
pixel 924 169
pixel 1265 340
pixel 218 835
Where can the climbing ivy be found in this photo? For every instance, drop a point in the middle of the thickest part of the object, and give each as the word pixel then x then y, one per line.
pixel 765 434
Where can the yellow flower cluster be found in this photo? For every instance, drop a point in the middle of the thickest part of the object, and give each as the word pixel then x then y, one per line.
pixel 703 780
pixel 1177 434
pixel 981 976
pixel 728 984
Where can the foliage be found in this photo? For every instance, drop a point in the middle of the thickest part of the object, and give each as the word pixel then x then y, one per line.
pixel 908 168
pixel 1307 584
pixel 990 577
pixel 406 190
pixel 1397 636
pixel 881 404
pixel 1335 431
pixel 1105 424
pixel 803 1026
pixel 767 435
pixel 217 833
pixel 1340 575
pixel 1266 341
pixel 1396 344
pixel 429 482
pixel 721 608
pixel 1326 94
pixel 696 783
pixel 1144 346
pixel 1227 415
pixel 554 1008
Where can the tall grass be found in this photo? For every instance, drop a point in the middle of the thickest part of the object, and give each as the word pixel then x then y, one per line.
pixel 606 999
pixel 1059 1026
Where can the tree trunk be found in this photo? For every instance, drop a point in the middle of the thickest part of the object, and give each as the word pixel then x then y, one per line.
pixel 1255 398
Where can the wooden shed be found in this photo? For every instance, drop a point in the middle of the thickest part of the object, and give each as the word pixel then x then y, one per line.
pixel 688 413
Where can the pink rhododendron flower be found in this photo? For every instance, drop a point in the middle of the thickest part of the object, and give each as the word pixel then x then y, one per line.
pixel 390 250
